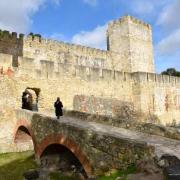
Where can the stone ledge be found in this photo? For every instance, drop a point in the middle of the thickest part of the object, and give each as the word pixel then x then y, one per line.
pixel 149 128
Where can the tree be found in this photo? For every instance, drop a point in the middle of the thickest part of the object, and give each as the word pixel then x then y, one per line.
pixel 171 72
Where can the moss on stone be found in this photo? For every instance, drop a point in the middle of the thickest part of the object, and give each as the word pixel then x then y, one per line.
pixel 122 174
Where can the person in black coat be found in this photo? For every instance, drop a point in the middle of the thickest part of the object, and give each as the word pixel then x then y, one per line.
pixel 58 108
pixel 24 101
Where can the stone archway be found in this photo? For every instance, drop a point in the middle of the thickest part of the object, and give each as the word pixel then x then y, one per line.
pixel 23 137
pixel 65 144
pixel 30 99
pixel 57 157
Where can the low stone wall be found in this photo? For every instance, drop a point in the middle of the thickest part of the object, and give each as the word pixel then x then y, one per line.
pixel 103 106
pixel 150 128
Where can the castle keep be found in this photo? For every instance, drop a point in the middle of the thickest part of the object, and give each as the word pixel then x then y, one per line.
pixel 88 79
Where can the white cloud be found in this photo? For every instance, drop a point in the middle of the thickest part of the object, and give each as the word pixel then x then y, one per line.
pixel 146 7
pixel 16 15
pixel 142 7
pixel 95 38
pixel 169 18
pixel 91 2
pixel 170 44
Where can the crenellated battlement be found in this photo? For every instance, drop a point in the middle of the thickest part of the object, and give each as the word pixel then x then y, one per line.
pixel 128 19
pixel 52 70
pixel 39 48
pixel 144 77
pixel 37 40
pixel 6 35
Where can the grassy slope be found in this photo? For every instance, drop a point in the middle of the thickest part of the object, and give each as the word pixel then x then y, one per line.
pixel 122 174
pixel 111 176
pixel 13 165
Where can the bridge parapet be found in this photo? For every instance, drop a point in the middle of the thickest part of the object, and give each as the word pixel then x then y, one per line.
pixel 24 115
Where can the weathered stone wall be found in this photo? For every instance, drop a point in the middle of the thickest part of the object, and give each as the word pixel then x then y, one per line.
pixel 5 61
pixel 103 106
pixel 8 102
pixel 70 81
pixel 12 45
pixel 148 93
pixel 66 83
pixel 59 52
pixel 132 39
pixel 158 95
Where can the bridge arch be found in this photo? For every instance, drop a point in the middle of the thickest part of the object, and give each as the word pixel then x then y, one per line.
pixel 68 143
pixel 23 135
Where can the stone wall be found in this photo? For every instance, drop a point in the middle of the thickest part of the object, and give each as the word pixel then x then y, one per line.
pixel 132 39
pixel 103 106
pixel 70 81
pixel 148 93
pixel 59 52
pixel 66 83
pixel 11 44
pixel 158 95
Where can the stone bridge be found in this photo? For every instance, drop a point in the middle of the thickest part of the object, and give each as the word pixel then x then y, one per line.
pixel 97 147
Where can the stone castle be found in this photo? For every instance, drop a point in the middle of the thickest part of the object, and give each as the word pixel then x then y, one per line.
pixel 87 79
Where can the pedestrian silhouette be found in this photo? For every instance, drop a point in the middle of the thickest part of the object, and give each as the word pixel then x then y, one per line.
pixel 58 108
pixel 27 100
pixel 24 101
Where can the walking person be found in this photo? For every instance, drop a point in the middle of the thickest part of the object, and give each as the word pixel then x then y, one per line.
pixel 58 108
pixel 24 100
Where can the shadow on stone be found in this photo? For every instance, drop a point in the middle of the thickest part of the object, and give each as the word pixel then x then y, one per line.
pixel 31 175
pixel 171 167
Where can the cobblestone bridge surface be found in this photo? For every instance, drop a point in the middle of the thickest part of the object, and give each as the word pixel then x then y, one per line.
pixel 98 147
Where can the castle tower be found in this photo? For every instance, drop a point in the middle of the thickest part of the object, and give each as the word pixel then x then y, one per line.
pixel 132 40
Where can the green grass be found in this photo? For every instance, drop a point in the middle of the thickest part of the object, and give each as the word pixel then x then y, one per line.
pixel 13 165
pixel 123 174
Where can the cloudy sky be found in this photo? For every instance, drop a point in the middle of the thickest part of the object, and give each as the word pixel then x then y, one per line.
pixel 84 22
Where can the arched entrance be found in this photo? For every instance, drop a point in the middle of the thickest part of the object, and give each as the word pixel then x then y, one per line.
pixel 30 99
pixel 23 139
pixel 57 157
pixel 65 145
